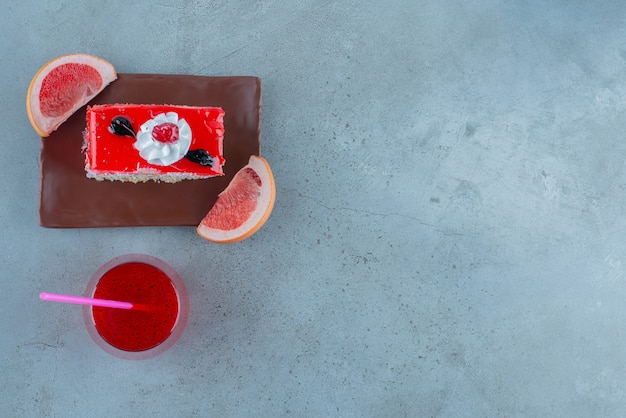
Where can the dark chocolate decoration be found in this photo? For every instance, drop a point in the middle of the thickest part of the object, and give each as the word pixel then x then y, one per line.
pixel 201 157
pixel 68 199
pixel 122 126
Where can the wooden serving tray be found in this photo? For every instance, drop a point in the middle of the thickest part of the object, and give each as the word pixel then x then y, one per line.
pixel 68 199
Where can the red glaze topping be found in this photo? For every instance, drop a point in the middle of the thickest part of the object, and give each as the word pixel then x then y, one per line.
pixel 108 153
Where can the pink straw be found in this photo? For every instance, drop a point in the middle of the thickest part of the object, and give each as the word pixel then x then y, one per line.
pixel 80 300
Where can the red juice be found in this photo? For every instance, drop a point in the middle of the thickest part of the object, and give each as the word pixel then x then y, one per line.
pixel 137 333
pixel 136 330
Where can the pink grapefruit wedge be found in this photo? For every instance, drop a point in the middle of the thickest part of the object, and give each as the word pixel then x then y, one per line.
pixel 243 207
pixel 64 85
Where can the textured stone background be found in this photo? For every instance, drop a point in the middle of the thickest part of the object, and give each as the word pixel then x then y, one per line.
pixel 448 234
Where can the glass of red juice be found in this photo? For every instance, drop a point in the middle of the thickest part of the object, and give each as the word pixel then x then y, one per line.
pixel 163 301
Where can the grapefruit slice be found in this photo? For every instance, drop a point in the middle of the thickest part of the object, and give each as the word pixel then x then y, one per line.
pixel 243 207
pixel 64 85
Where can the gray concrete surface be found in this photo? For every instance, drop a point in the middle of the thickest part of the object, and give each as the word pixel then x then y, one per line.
pixel 448 235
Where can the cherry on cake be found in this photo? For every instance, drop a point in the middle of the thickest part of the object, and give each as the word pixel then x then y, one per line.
pixel 138 142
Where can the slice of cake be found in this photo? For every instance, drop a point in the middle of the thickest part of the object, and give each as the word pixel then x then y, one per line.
pixel 138 142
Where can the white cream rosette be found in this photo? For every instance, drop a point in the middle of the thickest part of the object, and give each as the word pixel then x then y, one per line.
pixel 163 152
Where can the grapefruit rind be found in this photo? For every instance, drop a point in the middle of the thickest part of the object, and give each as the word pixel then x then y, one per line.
pixel 46 125
pixel 257 219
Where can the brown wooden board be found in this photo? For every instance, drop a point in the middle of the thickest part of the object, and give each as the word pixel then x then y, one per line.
pixel 68 199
